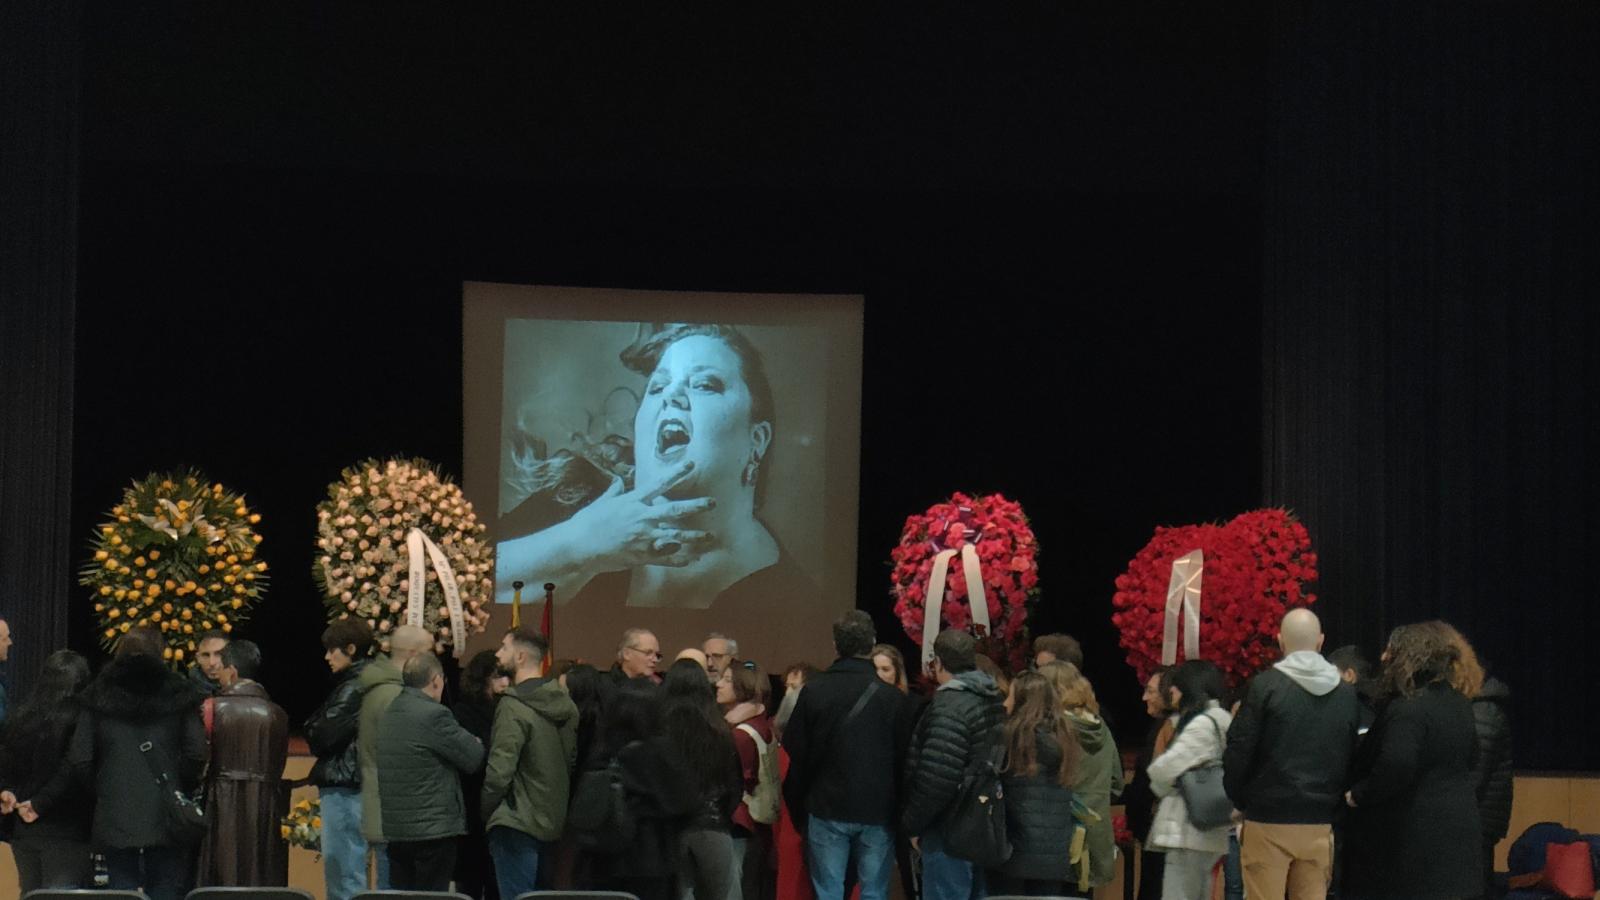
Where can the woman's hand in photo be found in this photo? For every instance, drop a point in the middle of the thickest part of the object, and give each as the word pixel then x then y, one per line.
pixel 619 530
pixel 624 529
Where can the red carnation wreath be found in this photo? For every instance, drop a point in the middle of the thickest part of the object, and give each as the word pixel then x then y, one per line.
pixel 1007 556
pixel 1257 567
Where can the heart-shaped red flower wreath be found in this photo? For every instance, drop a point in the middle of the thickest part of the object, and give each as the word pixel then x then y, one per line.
pixel 1257 567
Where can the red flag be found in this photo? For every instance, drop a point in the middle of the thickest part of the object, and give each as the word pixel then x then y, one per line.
pixel 548 627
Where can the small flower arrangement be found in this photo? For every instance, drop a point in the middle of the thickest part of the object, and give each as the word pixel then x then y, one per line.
pixel 178 554
pixel 302 827
pixel 1007 556
pixel 363 564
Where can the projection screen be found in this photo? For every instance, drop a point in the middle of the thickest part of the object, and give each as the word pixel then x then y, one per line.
pixel 681 462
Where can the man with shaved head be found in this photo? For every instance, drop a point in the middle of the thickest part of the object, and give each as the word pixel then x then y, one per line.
pixel 1287 765
pixel 381 682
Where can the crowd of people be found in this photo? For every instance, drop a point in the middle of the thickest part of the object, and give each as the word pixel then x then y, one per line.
pixel 688 781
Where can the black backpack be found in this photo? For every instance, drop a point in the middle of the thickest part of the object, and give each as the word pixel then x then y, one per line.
pixel 975 829
pixel 598 818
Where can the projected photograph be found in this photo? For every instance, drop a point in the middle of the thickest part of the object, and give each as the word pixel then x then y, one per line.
pixel 682 476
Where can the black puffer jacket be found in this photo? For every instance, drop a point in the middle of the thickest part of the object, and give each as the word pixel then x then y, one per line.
pixel 1491 717
pixel 962 722
pixel 1039 816
pixel 331 732
pixel 136 699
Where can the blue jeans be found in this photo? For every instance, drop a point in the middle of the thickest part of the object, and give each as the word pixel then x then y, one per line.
pixel 516 860
pixel 946 877
pixel 1232 875
pixel 344 850
pixel 829 846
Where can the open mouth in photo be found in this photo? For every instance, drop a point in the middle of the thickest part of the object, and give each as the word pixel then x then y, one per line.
pixel 672 439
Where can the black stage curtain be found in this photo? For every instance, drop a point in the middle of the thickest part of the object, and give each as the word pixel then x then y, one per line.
pixel 39 68
pixel 1430 374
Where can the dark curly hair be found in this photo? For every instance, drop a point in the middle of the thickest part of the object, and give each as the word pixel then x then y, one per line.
pixel 477 674
pixel 1427 653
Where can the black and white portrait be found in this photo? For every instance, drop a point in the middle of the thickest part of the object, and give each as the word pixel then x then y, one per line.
pixel 671 475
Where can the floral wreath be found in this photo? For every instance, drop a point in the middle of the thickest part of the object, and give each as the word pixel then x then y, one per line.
pixel 1008 558
pixel 363 561
pixel 177 554
pixel 1256 568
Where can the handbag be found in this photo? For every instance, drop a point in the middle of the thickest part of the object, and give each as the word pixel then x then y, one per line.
pixel 1203 794
pixel 976 828
pixel 183 815
pixel 598 818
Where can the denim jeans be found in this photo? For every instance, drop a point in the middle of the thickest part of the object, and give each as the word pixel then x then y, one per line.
pixel 344 850
pixel 1232 874
pixel 829 847
pixel 946 877
pixel 161 871
pixel 516 856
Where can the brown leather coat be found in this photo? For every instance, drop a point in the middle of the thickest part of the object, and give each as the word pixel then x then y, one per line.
pixel 246 798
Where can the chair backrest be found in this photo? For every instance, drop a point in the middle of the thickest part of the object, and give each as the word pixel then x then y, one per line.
pixel 83 894
pixel 249 893
pixel 410 895
pixel 577 895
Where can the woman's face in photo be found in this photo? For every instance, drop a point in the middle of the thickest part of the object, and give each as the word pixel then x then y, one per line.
pixel 725 695
pixel 697 408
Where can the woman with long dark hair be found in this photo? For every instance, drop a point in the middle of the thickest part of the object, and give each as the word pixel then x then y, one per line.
pixel 1196 691
pixel 482 683
pixel 586 686
pixel 1041 759
pixel 657 795
pixel 1414 829
pixel 694 727
pixel 51 840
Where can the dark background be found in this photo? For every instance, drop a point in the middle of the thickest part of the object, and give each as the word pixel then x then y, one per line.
pixel 1177 260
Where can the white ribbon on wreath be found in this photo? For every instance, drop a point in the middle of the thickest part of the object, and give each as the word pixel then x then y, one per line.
pixel 418 544
pixel 1183 601
pixel 935 597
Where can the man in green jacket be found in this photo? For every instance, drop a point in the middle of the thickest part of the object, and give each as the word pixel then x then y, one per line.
pixel 380 684
pixel 422 754
pixel 532 751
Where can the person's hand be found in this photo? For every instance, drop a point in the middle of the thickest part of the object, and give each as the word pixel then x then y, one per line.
pixel 916 844
pixel 25 812
pixel 1349 800
pixel 624 529
pixel 8 803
